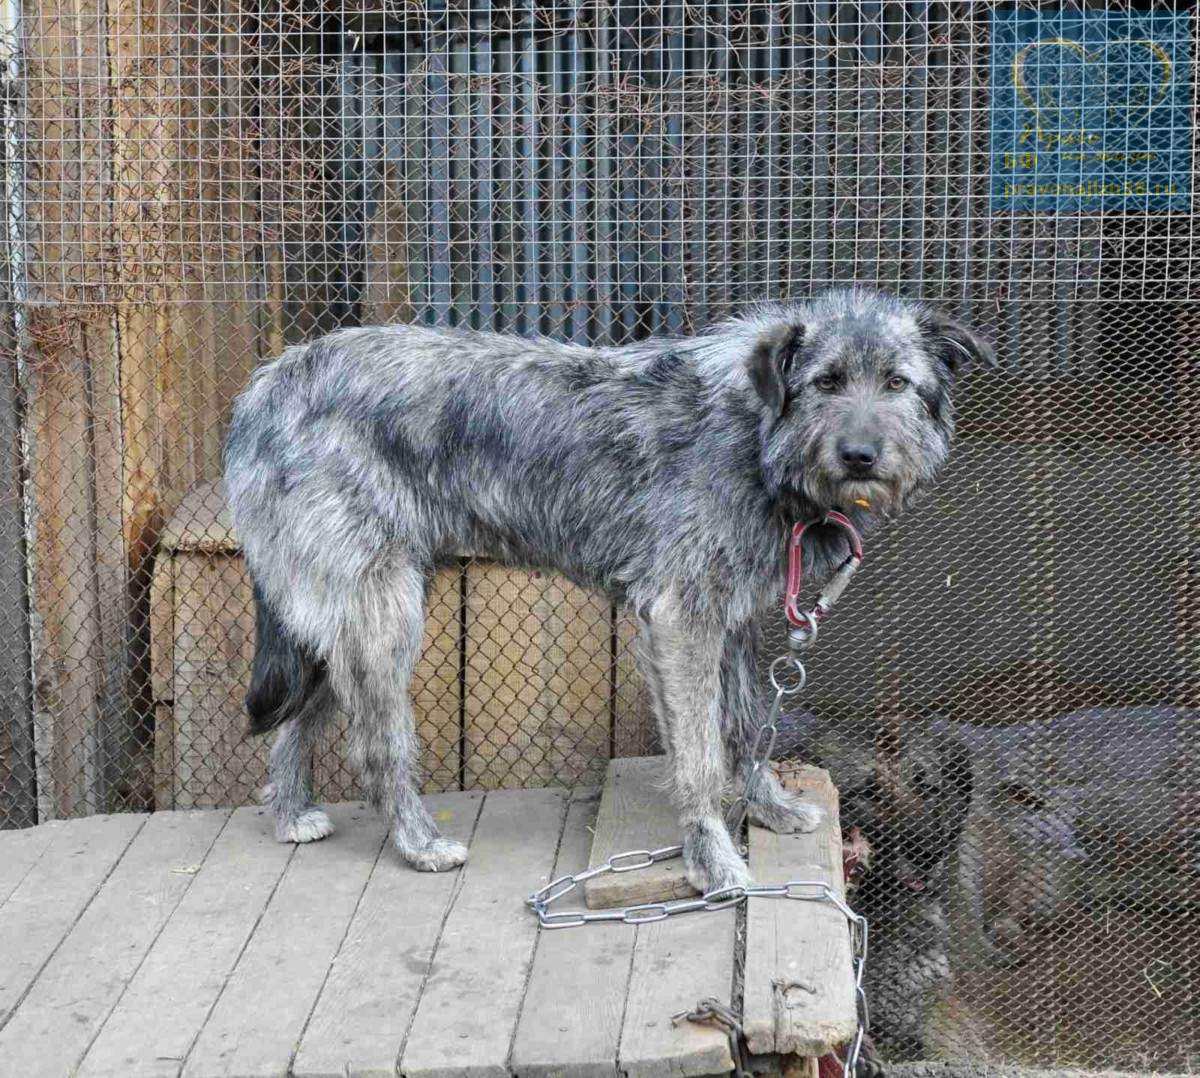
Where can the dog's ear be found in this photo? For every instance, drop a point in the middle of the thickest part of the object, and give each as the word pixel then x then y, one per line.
pixel 954 344
pixel 769 363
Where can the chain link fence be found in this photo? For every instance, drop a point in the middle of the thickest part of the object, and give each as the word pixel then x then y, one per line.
pixel 1009 699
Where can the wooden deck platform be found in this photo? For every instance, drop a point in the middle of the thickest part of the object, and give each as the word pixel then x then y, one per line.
pixel 192 943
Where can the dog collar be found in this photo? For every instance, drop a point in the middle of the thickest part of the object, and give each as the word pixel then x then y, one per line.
pixel 805 623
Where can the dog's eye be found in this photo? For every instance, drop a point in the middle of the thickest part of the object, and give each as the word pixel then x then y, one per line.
pixel 826 383
pixel 896 383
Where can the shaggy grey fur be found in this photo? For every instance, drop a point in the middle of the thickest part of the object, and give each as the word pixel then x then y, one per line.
pixel 666 474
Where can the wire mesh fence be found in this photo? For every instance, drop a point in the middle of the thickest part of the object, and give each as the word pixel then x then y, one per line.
pixel 1009 699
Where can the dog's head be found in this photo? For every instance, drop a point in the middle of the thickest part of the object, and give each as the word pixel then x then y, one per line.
pixel 854 388
pixel 903 807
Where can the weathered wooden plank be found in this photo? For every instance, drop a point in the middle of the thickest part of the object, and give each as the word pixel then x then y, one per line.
pixel 18 785
pixel 636 815
pixel 468 1011
pixel 676 964
pixel 201 522
pixel 571 1019
pixel 78 588
pixel 79 583
pixel 162 678
pixel 368 1001
pixel 81 983
pixel 216 763
pixel 145 261
pixel 799 983
pixel 20 851
pixel 71 871
pixel 290 951
pixel 157 1020
pixel 537 679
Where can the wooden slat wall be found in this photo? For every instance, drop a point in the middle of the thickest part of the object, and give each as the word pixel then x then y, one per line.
pixel 18 785
pixel 72 427
pixel 132 367
pixel 537 682
pixel 80 577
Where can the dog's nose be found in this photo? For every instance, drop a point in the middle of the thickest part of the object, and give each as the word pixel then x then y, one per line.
pixel 858 456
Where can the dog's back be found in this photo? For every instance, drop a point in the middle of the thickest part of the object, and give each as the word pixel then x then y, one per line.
pixel 529 451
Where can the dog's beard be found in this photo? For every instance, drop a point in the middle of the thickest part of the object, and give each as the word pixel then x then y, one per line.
pixel 883 494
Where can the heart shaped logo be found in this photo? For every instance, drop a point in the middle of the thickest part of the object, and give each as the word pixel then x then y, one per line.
pixel 1071 89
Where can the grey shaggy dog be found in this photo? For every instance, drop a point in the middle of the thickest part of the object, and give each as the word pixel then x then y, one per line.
pixel 666 474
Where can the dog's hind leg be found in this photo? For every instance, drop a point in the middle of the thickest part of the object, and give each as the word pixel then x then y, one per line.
pixel 684 659
pixel 768 803
pixel 378 645
pixel 289 794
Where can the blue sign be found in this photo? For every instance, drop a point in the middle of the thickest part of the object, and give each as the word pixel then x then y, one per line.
pixel 1090 111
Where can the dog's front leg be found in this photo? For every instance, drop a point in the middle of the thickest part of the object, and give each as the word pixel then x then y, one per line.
pixel 768 803
pixel 683 661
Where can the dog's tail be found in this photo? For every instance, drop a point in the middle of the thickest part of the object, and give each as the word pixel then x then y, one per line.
pixel 285 674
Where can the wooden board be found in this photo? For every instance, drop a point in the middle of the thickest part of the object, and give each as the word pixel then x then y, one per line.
pixel 799 985
pixel 468 1013
pixel 149 1032
pixel 635 815
pixel 285 963
pixel 162 678
pixel 82 982
pixel 537 680
pixel 216 761
pixel 18 776
pixel 20 851
pixel 571 1018
pixel 263 958
pixel 677 963
pixel 369 999
pixel 71 871
pixel 79 586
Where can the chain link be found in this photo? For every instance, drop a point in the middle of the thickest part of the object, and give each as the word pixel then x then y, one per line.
pixel 721 898
pixel 714 1012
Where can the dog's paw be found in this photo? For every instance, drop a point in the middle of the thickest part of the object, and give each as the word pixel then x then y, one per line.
pixel 310 826
pixel 705 878
pixel 439 855
pixel 710 859
pixel 785 813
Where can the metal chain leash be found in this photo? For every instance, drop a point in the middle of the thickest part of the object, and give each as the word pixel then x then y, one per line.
pixel 714 1012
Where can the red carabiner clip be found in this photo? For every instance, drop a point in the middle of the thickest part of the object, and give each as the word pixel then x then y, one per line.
pixel 806 622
